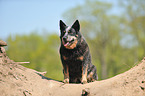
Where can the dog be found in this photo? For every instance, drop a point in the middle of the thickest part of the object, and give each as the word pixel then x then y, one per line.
pixel 75 55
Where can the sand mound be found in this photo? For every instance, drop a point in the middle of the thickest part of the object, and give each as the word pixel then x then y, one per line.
pixel 16 80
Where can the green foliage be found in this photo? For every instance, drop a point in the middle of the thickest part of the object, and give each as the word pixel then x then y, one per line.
pixel 116 42
pixel 41 51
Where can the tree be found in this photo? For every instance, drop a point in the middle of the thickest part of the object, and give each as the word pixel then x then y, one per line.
pixel 135 23
pixel 116 41
pixel 41 51
pixel 105 34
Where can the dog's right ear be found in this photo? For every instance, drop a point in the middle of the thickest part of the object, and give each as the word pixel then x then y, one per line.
pixel 76 25
pixel 62 25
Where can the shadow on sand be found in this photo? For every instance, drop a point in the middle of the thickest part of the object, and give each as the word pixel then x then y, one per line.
pixel 43 77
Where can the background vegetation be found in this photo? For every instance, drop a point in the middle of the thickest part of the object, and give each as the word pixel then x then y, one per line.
pixel 116 41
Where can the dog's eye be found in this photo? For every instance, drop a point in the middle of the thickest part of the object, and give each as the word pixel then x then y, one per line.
pixel 64 31
pixel 70 32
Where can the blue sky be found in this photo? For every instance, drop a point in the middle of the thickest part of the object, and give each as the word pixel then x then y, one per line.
pixel 25 16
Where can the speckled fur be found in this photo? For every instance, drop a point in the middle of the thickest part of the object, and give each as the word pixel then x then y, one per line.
pixel 77 61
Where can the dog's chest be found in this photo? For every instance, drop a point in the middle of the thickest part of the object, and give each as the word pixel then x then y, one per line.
pixel 76 55
pixel 74 60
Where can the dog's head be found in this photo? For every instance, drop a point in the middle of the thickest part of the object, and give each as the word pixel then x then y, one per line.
pixel 69 34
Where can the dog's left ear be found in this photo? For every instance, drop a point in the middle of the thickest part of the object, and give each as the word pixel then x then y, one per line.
pixel 76 25
pixel 62 25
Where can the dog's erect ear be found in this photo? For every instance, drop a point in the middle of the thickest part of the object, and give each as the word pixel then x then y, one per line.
pixel 62 25
pixel 76 25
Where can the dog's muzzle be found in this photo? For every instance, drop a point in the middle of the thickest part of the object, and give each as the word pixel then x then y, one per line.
pixel 68 40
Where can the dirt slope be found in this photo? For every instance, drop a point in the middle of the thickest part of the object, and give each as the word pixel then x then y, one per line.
pixel 16 80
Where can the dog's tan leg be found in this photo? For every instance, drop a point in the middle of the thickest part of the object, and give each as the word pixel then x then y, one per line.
pixel 84 74
pixel 66 74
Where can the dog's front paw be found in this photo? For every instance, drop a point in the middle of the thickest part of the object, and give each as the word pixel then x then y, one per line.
pixel 66 81
pixel 84 82
pixel 84 79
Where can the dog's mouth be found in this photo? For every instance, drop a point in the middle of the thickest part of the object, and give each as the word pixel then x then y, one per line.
pixel 68 43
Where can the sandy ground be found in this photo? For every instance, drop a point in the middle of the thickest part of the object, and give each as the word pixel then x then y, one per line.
pixel 16 80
